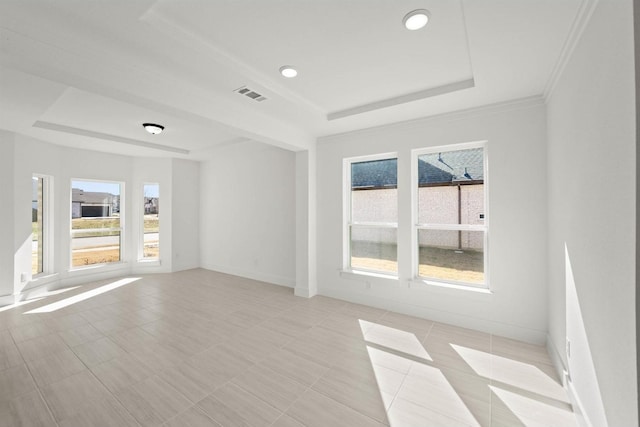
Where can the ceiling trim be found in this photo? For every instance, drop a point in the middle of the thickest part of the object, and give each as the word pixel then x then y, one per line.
pixel 106 137
pixel 514 104
pixel 402 99
pixel 573 37
pixel 194 41
pixel 92 73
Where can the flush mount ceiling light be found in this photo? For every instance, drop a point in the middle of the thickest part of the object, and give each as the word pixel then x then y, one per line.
pixel 416 19
pixel 153 128
pixel 288 71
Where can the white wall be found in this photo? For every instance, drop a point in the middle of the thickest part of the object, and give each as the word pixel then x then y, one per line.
pixel 27 156
pixel 516 135
pixel 63 165
pixel 6 214
pixel 185 208
pixel 591 157
pixel 247 212
pixel 150 171
pixel 306 284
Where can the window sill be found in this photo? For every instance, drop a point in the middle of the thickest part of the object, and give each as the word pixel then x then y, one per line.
pixel 40 280
pixel 43 277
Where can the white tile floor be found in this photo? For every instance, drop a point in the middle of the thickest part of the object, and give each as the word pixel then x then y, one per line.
pixel 200 348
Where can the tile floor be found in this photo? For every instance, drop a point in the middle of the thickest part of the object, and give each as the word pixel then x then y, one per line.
pixel 200 348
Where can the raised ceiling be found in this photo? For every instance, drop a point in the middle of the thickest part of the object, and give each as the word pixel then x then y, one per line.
pixel 87 73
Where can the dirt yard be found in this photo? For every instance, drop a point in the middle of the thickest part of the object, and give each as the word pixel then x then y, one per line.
pixel 436 263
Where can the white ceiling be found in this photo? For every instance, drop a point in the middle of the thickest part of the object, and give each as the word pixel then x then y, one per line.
pixel 87 73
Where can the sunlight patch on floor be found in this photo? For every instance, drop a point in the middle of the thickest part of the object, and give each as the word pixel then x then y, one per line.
pixel 534 413
pixel 413 391
pixel 395 339
pixel 523 375
pixel 83 296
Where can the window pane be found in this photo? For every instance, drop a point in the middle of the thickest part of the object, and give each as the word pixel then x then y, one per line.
pixel 95 222
pixel 374 193
pixel 96 203
pixel 451 189
pixel 452 255
pixel 151 248
pixel 374 249
pixel 37 226
pixel 95 248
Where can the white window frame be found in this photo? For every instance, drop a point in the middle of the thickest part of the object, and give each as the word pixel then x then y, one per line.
pixel 348 223
pixel 120 229
pixel 141 257
pixel 47 223
pixel 453 227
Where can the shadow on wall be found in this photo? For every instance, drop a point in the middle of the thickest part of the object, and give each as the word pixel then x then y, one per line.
pixel 582 373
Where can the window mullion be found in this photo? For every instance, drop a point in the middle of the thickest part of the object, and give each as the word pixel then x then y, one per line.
pixel 453 227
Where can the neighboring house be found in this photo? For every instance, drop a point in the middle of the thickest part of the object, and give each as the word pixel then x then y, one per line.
pixel 451 191
pixel 86 204
pixel 452 168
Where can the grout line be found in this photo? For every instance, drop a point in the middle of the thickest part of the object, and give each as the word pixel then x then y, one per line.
pixel 46 404
pixel 217 290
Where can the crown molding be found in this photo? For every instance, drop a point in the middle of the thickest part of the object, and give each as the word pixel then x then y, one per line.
pixel 402 99
pixel 107 137
pixel 499 107
pixel 585 11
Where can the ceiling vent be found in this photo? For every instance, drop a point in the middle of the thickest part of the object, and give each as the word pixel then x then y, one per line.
pixel 249 93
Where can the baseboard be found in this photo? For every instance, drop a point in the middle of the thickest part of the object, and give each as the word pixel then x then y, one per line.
pixel 484 325
pixel 80 277
pixel 578 408
pixel 250 274
pixel 302 292
pixel 7 300
pixel 557 361
pixel 56 281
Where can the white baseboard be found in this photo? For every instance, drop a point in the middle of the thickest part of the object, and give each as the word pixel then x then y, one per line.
pixel 302 292
pixel 251 274
pixel 578 408
pixel 484 325
pixel 56 281
pixel 7 300
pixel 556 359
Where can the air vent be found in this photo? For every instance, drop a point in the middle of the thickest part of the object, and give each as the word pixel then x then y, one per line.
pixel 249 93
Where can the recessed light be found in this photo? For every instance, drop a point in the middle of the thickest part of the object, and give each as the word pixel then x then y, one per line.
pixel 153 128
pixel 416 19
pixel 288 71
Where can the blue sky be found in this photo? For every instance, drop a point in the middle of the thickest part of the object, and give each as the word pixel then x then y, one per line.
pixel 150 190
pixel 98 187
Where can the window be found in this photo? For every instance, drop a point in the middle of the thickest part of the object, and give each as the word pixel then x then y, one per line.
pixel 96 222
pixel 151 222
pixel 450 228
pixel 371 226
pixel 39 224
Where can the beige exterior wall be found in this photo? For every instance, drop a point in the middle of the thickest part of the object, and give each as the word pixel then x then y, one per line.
pixel 437 205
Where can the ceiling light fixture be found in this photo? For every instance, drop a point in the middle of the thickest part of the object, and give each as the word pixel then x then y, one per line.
pixel 416 19
pixel 288 71
pixel 153 128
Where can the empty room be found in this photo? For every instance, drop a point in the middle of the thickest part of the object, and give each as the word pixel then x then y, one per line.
pixel 292 213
